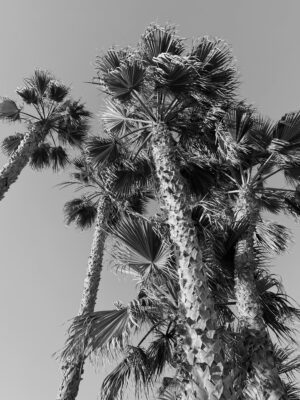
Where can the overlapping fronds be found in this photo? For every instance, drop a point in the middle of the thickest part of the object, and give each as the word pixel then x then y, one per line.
pixel 272 236
pixel 134 365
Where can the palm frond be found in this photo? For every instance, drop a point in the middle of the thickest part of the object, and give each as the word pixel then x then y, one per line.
pixel 117 118
pixel 40 158
pixel 217 75
pixel 287 362
pixel 134 365
pixel 272 236
pixel 140 249
pixel 96 331
pixel 81 211
pixel 11 143
pixel 126 78
pixel 73 133
pixel 28 94
pixel 292 390
pixel 157 40
pixel 39 81
pixel 288 128
pixel 58 158
pixel 102 151
pixel 110 61
pixel 9 110
pixel 161 351
pixel 57 91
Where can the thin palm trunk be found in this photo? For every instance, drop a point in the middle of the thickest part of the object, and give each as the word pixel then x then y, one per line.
pixel 259 378
pixel 19 159
pixel 200 339
pixel 73 368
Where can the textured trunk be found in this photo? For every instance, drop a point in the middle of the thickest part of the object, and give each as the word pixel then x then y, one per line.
pixel 259 379
pixel 73 369
pixel 19 159
pixel 200 340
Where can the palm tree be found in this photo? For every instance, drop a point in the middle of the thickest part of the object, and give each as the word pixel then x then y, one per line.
pixel 256 150
pixel 155 92
pixel 112 188
pixel 143 249
pixel 53 114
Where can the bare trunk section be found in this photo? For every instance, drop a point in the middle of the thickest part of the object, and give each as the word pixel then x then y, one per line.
pixel 19 159
pixel 259 379
pixel 73 369
pixel 200 339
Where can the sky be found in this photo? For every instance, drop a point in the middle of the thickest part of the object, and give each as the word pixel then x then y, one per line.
pixel 43 262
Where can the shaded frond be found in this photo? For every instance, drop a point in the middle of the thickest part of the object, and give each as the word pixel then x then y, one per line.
pixel 157 40
pixel 28 94
pixel 80 211
pixel 11 143
pixel 39 81
pixel 135 365
pixel 58 158
pixel 126 78
pixel 102 151
pixel 9 110
pixel 272 236
pixel 57 91
pixel 40 158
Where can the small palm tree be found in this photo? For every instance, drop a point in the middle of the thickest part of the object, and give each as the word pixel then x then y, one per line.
pixel 53 114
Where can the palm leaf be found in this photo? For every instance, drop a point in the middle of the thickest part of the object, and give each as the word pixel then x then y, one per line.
pixel 102 151
pixel 140 249
pixel 11 143
pixel 288 128
pixel 9 110
pixel 40 158
pixel 81 211
pixel 58 158
pixel 135 365
pixel 161 351
pixel 157 40
pixel 57 91
pixel 110 61
pixel 272 236
pixel 122 81
pixel 28 94
pixel 39 81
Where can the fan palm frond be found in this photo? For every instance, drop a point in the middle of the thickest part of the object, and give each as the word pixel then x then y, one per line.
pixel 9 110
pixel 57 91
pixel 157 40
pixel 161 351
pixel 126 78
pixel 11 143
pixel 135 365
pixel 102 151
pixel 81 211
pixel 140 249
pixel 40 81
pixel 287 363
pixel 28 94
pixel 110 61
pixel 58 158
pixel 40 158
pixel 272 236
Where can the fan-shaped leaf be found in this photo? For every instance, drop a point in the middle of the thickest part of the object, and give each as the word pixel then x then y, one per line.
pixel 80 211
pixel 11 143
pixel 9 110
pixel 102 151
pixel 57 91
pixel 28 94
pixel 58 157
pixel 122 81
pixel 40 158
pixel 140 249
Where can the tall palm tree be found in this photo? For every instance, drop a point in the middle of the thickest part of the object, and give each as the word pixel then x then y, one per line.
pixel 111 188
pixel 155 91
pixel 52 114
pixel 257 150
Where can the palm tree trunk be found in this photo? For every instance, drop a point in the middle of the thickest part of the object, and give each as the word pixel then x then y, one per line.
pixel 259 379
pixel 19 159
pixel 200 339
pixel 73 368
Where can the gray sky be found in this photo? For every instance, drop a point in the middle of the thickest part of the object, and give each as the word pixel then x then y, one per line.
pixel 43 262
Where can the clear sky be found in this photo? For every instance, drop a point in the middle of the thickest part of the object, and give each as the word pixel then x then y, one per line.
pixel 43 262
